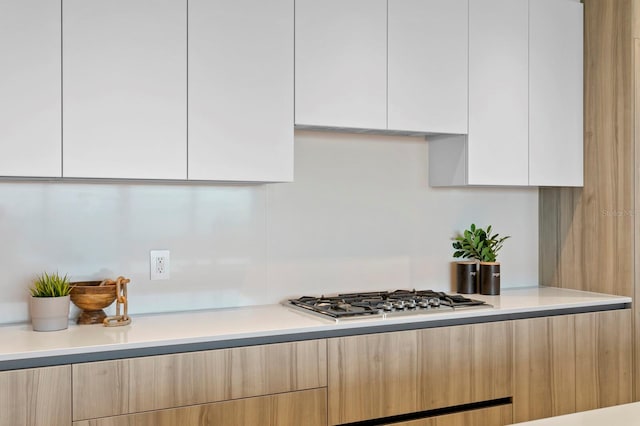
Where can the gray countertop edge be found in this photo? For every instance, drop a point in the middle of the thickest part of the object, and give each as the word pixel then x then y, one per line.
pixel 98 355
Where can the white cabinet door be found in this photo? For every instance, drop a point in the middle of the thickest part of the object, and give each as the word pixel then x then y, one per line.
pixel 428 68
pixel 341 63
pixel 498 93
pixel 125 89
pixel 241 90
pixel 30 88
pixel 555 93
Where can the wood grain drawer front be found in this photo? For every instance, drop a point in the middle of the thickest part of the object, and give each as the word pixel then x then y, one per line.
pixel 464 364
pixel 603 359
pixel 381 375
pixel 133 385
pixel 492 416
pixel 545 374
pixel 36 397
pixel 308 408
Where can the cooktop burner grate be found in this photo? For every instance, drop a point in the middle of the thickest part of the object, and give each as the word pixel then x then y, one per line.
pixel 384 303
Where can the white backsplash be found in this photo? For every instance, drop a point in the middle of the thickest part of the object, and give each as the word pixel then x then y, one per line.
pixel 359 216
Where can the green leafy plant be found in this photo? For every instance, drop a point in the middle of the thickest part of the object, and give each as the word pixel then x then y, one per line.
pixel 476 243
pixel 52 285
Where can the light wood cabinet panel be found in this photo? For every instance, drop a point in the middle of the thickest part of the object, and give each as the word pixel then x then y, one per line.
pixel 341 63
pixel 125 89
pixel 372 376
pixel 30 88
pixel 575 220
pixel 167 381
pixel 544 370
pixel 387 374
pixel 306 408
pixel 427 65
pixel 603 359
pixel 469 363
pixel 493 416
pixel 555 93
pixel 36 397
pixel 636 218
pixel 241 90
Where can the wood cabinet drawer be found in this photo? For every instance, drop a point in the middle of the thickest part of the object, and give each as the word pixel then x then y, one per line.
pixel 127 386
pixel 492 416
pixel 36 397
pixel 387 374
pixel 308 408
pixel 571 363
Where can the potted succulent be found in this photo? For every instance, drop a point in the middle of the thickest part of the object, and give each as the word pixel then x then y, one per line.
pixel 49 302
pixel 480 245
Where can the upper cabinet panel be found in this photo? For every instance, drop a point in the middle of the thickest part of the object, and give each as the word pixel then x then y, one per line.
pixel 125 89
pixel 428 50
pixel 498 93
pixel 555 93
pixel 30 88
pixel 241 90
pixel 341 63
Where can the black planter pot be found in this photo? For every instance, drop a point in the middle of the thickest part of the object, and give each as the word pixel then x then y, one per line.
pixel 490 278
pixel 467 277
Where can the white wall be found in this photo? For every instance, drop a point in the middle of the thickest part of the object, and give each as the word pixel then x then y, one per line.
pixel 359 216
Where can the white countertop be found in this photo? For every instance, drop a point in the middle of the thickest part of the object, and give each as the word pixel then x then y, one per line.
pixel 619 415
pixel 19 342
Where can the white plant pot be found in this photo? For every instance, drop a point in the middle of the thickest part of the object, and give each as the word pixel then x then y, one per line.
pixel 49 313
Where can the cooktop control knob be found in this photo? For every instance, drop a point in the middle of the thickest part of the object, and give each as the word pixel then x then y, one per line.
pixel 399 304
pixel 387 306
pixel 435 302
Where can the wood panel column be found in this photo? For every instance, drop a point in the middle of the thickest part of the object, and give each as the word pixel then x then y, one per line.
pixel 587 235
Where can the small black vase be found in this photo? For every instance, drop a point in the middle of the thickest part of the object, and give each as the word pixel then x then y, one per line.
pixel 490 278
pixel 467 277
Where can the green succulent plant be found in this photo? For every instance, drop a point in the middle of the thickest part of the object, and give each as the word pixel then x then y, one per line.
pixel 476 243
pixel 52 285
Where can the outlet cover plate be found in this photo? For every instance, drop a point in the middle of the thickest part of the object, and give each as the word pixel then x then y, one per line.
pixel 160 264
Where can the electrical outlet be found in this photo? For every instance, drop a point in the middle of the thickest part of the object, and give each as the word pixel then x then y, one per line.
pixel 160 265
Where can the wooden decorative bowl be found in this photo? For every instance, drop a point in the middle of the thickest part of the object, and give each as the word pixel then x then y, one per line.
pixel 92 298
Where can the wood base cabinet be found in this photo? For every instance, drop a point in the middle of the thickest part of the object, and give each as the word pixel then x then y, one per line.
pixel 380 375
pixel 545 374
pixel 492 416
pixel 36 397
pixel 127 386
pixel 287 409
pixel 603 359
pixel 571 363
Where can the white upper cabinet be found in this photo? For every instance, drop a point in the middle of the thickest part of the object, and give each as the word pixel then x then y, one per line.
pixel 498 141
pixel 125 89
pixel 428 52
pixel 341 63
pixel 241 90
pixel 555 93
pixel 525 98
pixel 30 88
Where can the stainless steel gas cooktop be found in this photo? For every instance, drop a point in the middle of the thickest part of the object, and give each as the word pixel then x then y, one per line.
pixel 384 304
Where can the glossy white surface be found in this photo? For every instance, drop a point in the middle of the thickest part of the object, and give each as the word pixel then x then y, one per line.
pixel 498 93
pixel 20 342
pixel 359 216
pixel 241 90
pixel 125 89
pixel 30 88
pixel 619 415
pixel 555 93
pixel 341 63
pixel 427 65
